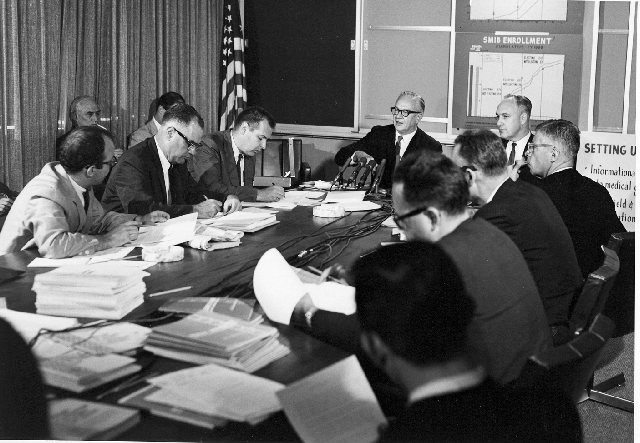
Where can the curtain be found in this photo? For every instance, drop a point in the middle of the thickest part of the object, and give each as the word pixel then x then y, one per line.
pixel 126 53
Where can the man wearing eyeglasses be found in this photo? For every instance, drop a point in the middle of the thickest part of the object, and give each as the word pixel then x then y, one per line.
pixel 165 101
pixel 527 215
pixel 153 175
pixel 57 212
pixel 393 141
pixel 586 207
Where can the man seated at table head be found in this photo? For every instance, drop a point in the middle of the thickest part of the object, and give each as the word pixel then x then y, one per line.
pixel 57 211
pixel 153 175
pixel 586 207
pixel 416 319
pixel 392 142
pixel 225 162
pixel 527 215
pixel 429 196
pixel 149 129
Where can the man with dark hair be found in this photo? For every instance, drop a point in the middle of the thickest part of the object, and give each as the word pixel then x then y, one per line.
pixel 165 101
pixel 153 174
pixel 57 211
pixel 225 163
pixel 429 196
pixel 416 316
pixel 585 206
pixel 393 141
pixel 527 215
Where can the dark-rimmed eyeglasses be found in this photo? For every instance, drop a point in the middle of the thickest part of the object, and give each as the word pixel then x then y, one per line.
pixel 190 143
pixel 399 219
pixel 111 163
pixel 403 112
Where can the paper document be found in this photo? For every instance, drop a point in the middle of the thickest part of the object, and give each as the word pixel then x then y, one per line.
pixel 389 222
pixel 277 287
pixel 28 325
pixel 172 232
pixel 41 262
pixel 344 196
pixel 355 206
pixel 333 297
pixel 334 405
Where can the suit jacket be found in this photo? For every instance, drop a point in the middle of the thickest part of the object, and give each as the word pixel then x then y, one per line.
pixel 380 143
pixel 136 184
pixel 488 412
pixel 49 214
pixel 588 212
pixel 527 215
pixel 214 167
pixel 525 172
pixel 144 132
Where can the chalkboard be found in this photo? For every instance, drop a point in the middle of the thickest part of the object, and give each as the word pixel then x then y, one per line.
pixel 298 60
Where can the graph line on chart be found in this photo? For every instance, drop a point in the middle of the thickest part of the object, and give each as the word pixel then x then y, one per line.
pixel 519 10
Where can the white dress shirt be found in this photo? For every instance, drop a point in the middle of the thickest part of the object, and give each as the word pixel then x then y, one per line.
pixel 236 155
pixel 521 145
pixel 404 143
pixel 165 170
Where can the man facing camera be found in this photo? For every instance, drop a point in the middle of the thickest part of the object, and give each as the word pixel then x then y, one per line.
pixel 225 162
pixel 165 101
pixel 57 211
pixel 527 215
pixel 416 316
pixel 153 175
pixel 585 206
pixel 392 142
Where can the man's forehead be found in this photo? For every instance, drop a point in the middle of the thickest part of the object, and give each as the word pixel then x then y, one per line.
pixel 262 129
pixel 406 102
pixel 507 107
pixel 87 104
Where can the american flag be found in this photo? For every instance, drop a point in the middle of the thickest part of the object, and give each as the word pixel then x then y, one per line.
pixel 233 95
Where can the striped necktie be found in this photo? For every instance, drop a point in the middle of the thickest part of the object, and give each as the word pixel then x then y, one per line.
pixel 398 147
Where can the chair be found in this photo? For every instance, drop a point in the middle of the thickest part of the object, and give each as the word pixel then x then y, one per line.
pixel 281 159
pixel 620 306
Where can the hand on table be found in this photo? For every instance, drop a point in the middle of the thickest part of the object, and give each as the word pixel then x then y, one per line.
pixel 270 194
pixel 153 217
pixel 208 208
pixel 121 234
pixel 231 204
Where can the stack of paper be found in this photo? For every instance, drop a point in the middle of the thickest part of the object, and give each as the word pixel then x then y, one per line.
pixel 121 338
pixel 172 232
pixel 350 200
pixel 209 337
pixel 233 307
pixel 210 238
pixel 242 221
pixel 94 291
pixel 214 392
pixel 73 419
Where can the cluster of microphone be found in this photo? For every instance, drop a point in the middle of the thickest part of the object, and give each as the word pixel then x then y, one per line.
pixel 370 168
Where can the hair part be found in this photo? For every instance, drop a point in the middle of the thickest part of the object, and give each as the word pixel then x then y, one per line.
pixel 522 102
pixel 412 296
pixel 183 114
pixel 484 150
pixel 564 132
pixel 84 147
pixel 417 99
pixel 168 99
pixel 432 179
pixel 253 116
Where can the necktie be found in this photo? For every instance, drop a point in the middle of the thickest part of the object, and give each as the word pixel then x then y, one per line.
pixel 171 174
pixel 85 197
pixel 512 154
pixel 239 167
pixel 398 158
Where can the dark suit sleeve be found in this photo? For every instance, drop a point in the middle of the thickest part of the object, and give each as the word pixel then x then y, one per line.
pixel 342 331
pixel 366 144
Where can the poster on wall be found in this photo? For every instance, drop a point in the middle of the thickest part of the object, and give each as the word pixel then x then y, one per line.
pixel 489 66
pixel 610 159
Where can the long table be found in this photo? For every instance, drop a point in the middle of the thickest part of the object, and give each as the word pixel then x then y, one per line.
pixel 218 273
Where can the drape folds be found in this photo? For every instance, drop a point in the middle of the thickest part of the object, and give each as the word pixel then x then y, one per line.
pixel 126 53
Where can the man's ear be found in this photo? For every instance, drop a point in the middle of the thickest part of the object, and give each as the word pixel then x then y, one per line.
pixel 434 216
pixel 375 348
pixel 89 171
pixel 523 118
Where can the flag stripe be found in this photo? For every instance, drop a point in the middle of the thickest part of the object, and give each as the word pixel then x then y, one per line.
pixel 233 94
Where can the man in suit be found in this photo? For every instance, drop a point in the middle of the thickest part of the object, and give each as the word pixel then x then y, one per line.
pixel 57 211
pixel 585 206
pixel 225 162
pixel 420 337
pixel 149 129
pixel 392 142
pixel 527 215
pixel 513 120
pixel 509 321
pixel 7 196
pixel 153 175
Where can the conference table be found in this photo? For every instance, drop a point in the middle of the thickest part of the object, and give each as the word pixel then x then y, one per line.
pixel 219 273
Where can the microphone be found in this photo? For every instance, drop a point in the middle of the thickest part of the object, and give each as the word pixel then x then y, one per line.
pixel 370 165
pixel 375 182
pixel 339 178
pixel 355 172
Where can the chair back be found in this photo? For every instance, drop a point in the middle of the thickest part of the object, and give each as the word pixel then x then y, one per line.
pixel 620 306
pixel 594 293
pixel 282 156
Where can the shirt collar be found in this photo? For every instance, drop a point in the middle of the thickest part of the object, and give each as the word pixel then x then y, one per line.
pixel 406 138
pixel 155 122
pixel 447 385
pixel 76 187
pixel 561 169
pixel 236 150
pixel 163 159
pixel 493 194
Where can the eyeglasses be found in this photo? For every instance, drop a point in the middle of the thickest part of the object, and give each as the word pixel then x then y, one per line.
pixel 190 143
pixel 399 219
pixel 533 146
pixel 111 163
pixel 404 112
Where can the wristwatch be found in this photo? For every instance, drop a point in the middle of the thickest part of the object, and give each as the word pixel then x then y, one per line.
pixel 308 315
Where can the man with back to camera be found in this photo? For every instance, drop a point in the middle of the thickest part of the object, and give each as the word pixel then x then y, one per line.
pixel 513 120
pixel 57 211
pixel 392 142
pixel 430 194
pixel 586 207
pixel 415 316
pixel 149 129
pixel 153 174
pixel 527 215
pixel 225 162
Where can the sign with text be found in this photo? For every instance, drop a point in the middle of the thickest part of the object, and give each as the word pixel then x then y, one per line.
pixel 610 159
